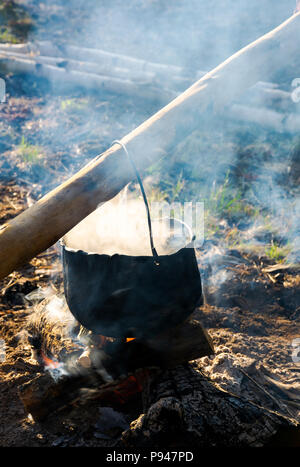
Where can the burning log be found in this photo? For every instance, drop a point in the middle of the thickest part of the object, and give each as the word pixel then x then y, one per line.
pixel 184 409
pixel 43 395
pixel 50 218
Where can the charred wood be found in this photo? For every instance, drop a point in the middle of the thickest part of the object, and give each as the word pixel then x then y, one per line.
pixel 46 394
pixel 185 409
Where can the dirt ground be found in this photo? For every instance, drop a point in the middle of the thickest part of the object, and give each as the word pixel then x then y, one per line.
pixel 251 311
pixel 252 332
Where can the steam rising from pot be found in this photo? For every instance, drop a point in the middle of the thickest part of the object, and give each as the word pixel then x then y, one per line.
pixel 120 227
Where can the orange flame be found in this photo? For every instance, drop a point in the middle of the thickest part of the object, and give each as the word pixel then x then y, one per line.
pixel 48 362
pixel 104 340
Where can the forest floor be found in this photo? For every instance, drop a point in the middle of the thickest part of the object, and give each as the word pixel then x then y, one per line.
pixel 249 260
pixel 253 320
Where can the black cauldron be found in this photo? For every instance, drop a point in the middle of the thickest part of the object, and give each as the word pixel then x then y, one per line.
pixel 131 296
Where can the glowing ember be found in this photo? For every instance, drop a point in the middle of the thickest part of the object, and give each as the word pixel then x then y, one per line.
pixel 127 388
pixel 128 339
pixel 48 362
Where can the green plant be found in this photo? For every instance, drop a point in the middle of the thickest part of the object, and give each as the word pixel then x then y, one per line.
pixel 7 36
pixel 74 104
pixel 174 189
pixel 29 152
pixel 276 252
pixel 15 22
pixel 157 195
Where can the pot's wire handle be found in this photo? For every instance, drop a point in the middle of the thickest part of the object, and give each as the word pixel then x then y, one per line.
pixel 154 252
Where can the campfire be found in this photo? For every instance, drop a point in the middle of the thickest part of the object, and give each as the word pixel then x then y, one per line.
pixel 114 369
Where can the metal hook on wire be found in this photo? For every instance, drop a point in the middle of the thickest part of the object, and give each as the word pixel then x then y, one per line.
pixel 154 252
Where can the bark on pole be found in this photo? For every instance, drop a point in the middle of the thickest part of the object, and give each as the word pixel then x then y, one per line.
pixel 40 226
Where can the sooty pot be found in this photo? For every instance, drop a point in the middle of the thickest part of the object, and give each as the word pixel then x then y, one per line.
pixel 121 295
pixel 131 296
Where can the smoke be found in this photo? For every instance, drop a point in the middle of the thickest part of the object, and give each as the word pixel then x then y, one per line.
pixel 120 227
pixel 195 35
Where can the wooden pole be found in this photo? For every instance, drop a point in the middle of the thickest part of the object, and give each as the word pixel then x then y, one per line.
pixel 40 226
